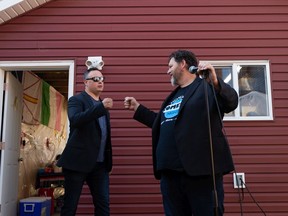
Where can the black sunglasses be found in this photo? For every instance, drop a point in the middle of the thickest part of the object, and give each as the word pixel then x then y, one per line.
pixel 96 79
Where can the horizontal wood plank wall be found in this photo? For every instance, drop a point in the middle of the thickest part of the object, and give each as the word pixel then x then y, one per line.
pixel 135 38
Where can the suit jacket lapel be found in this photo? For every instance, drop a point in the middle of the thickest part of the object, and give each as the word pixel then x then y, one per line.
pixel 87 98
pixel 190 91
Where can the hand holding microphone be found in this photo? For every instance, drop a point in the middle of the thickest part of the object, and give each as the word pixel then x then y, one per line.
pixel 206 71
pixel 203 71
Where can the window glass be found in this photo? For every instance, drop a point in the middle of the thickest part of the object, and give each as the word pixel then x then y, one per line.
pixel 251 80
pixel 226 74
pixel 252 90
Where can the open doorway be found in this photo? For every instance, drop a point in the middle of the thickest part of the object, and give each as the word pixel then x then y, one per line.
pixel 56 73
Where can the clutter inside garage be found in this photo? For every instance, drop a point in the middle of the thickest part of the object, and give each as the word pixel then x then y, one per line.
pixel 44 133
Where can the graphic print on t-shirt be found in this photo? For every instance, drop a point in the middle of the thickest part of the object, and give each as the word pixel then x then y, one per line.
pixel 171 111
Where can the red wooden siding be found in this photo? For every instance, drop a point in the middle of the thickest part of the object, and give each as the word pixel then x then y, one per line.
pixel 135 38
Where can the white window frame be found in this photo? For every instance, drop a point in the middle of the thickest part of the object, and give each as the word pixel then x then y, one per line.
pixel 234 65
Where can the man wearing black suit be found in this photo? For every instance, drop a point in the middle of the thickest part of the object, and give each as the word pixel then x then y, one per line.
pixel 88 153
pixel 190 183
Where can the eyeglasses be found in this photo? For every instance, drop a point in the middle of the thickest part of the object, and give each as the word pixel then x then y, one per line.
pixel 96 79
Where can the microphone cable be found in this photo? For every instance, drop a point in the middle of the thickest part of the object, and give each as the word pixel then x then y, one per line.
pixel 211 148
pixel 235 173
pixel 246 187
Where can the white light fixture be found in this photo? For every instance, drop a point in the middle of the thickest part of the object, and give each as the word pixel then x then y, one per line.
pixel 94 62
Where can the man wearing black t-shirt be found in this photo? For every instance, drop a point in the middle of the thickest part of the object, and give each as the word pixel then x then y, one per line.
pixel 191 179
pixel 87 156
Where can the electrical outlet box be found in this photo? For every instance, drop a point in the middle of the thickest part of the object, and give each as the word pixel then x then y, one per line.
pixel 239 180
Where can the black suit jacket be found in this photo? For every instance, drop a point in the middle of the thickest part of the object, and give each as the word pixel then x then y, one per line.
pixel 192 128
pixel 82 148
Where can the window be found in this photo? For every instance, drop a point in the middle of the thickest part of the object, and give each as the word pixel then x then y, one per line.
pixel 251 79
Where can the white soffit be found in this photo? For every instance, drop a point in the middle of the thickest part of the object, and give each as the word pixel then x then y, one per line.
pixel 10 9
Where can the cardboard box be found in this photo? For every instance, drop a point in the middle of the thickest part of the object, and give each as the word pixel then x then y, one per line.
pixel 35 206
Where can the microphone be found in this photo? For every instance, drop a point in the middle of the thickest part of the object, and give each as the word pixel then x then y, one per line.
pixel 194 69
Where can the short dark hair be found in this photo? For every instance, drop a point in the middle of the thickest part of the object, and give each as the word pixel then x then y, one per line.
pixel 188 56
pixel 86 72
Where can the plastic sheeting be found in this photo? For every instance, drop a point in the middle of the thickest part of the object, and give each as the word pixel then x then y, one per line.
pixel 40 146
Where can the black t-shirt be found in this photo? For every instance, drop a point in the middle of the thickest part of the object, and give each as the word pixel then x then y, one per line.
pixel 103 126
pixel 167 152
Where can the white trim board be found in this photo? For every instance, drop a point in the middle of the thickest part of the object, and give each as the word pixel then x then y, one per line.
pixel 36 65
